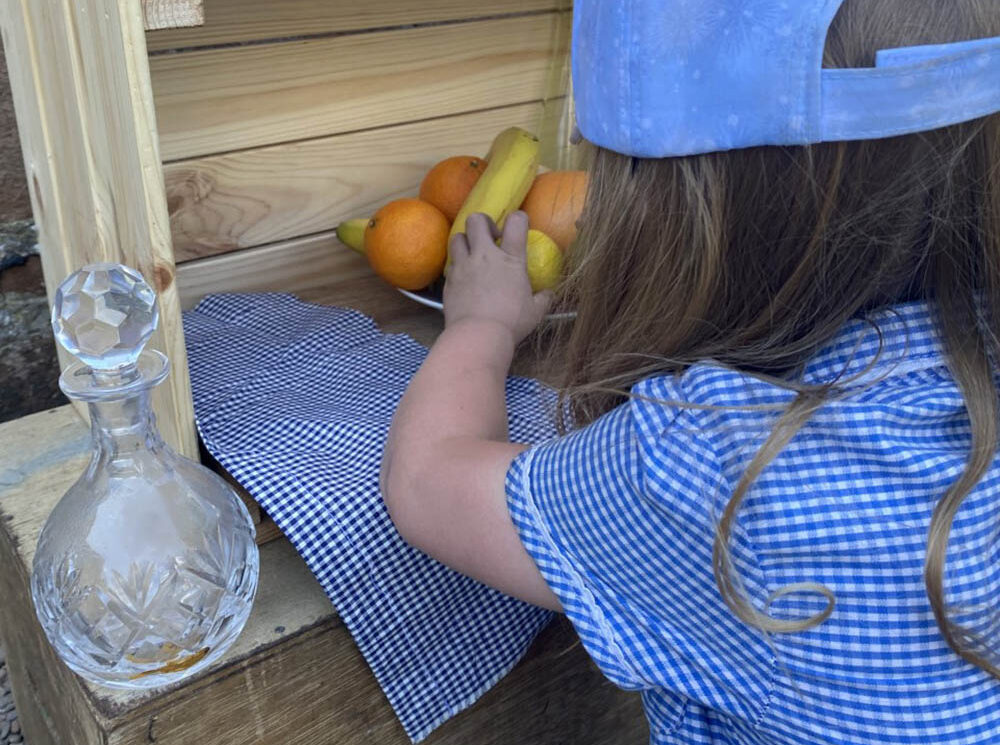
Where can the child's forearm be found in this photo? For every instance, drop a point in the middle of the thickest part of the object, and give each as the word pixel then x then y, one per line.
pixel 447 458
pixel 458 394
pixel 446 461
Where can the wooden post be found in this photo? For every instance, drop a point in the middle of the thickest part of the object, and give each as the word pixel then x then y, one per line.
pixel 80 80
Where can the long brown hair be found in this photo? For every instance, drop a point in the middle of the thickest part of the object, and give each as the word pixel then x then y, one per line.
pixel 756 258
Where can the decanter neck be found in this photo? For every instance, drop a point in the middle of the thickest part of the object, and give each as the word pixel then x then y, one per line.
pixel 125 424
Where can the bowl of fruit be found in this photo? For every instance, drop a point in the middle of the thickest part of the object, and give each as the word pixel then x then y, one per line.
pixel 406 240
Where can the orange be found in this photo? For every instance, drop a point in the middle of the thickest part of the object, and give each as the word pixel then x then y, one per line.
pixel 555 203
pixel 447 184
pixel 407 243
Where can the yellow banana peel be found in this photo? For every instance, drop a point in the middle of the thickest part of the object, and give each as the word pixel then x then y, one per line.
pixel 512 166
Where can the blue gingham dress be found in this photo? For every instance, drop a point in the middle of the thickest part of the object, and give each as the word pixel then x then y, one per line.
pixel 620 516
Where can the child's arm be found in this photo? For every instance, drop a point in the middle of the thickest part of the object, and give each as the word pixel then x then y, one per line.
pixel 447 455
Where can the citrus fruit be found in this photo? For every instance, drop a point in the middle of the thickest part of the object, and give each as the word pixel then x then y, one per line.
pixel 545 261
pixel 555 203
pixel 407 243
pixel 448 183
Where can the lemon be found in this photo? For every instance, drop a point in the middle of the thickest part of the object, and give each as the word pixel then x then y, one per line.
pixel 545 261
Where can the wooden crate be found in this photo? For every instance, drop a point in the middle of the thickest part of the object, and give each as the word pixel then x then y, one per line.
pixel 219 157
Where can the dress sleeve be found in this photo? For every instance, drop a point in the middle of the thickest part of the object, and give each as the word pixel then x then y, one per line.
pixel 619 517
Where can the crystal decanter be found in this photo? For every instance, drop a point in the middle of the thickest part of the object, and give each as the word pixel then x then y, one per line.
pixel 146 570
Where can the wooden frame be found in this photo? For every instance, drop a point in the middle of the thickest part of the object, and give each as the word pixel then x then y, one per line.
pixel 80 80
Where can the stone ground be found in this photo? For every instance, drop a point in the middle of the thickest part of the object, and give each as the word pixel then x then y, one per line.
pixel 28 367
pixel 10 727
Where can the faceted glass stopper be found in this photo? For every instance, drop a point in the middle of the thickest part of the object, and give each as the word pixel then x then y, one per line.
pixel 104 314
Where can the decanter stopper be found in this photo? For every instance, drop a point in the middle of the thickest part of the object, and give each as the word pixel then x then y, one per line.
pixel 146 570
pixel 104 314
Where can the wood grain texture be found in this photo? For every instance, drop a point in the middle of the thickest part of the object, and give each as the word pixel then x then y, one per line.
pixel 158 14
pixel 316 691
pixel 222 100
pixel 260 196
pixel 302 266
pixel 267 531
pixel 317 269
pixel 294 676
pixel 80 80
pixel 230 21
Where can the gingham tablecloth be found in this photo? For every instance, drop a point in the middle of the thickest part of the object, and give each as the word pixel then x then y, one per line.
pixel 295 401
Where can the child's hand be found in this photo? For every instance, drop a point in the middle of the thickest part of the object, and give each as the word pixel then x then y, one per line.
pixel 490 283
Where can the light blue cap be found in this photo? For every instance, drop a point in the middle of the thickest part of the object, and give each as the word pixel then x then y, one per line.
pixel 658 78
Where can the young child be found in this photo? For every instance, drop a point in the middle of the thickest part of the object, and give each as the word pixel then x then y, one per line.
pixel 776 512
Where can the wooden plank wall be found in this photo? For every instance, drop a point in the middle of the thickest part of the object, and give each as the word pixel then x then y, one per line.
pixel 278 120
pixel 233 21
pixel 158 14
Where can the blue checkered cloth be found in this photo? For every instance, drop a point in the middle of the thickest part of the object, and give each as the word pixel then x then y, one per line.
pixel 295 400
pixel 620 518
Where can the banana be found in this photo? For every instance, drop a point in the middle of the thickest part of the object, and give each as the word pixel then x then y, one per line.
pixel 512 165
pixel 352 233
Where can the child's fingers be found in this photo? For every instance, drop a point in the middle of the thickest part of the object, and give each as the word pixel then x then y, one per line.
pixel 515 234
pixel 477 229
pixel 458 247
pixel 495 232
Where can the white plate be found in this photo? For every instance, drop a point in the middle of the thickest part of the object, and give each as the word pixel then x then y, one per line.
pixel 432 299
pixel 424 297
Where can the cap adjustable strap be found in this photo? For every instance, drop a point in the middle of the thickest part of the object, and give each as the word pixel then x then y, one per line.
pixel 911 89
